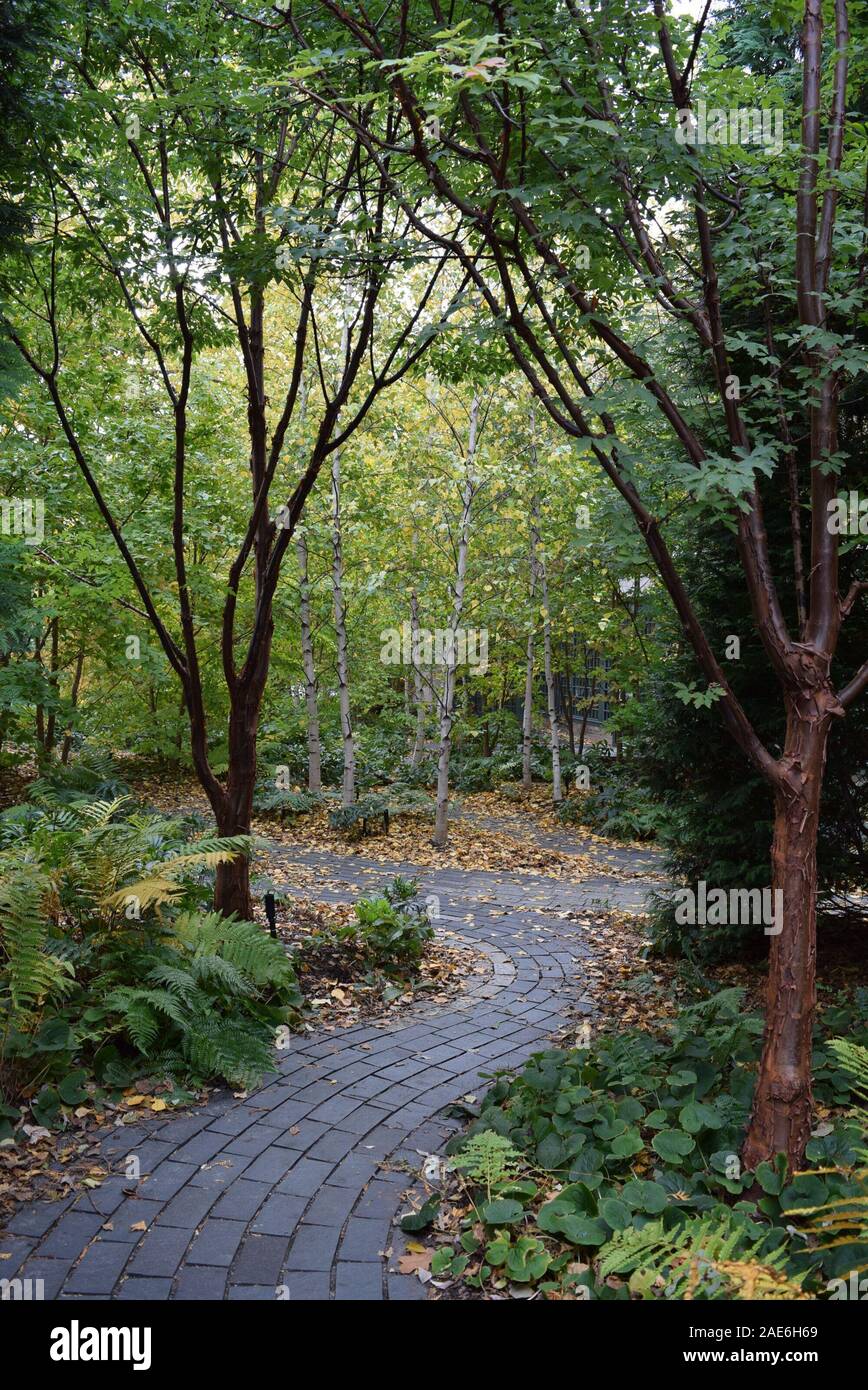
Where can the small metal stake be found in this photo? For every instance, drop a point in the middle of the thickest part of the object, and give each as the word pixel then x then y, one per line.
pixel 270 912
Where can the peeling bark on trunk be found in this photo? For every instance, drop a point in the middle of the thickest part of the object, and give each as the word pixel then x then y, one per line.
pixel 314 745
pixel 234 809
pixel 781 1116
pixel 340 612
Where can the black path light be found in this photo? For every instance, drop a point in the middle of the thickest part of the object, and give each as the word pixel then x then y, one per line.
pixel 271 913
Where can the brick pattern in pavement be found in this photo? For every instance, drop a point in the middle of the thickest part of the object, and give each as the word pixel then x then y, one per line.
pixel 293 1191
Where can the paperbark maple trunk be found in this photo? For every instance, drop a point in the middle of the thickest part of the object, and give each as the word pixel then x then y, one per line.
pixel 233 815
pixel 233 803
pixel 781 1116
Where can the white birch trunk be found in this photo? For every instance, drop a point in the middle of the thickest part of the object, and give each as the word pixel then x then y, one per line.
pixel 554 735
pixel 418 699
pixel 441 823
pixel 314 745
pixel 527 713
pixel 340 616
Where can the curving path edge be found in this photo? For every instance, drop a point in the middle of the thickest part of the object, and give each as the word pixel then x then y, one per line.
pixel 292 1191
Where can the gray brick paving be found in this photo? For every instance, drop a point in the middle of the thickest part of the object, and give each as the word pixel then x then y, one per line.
pixel 237 1206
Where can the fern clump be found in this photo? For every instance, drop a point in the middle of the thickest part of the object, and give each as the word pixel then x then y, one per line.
pixel 109 966
pixel 486 1159
pixel 707 1257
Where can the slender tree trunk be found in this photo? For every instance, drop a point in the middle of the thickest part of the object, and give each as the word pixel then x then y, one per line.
pixel 527 712
pixel 441 823
pixel 554 736
pixel 76 687
pixel 233 809
pixel 179 737
pixel 418 690
pixel 314 745
pixel 554 740
pixel 340 612
pixel 54 659
pixel 527 718
pixel 586 712
pixel 781 1117
pixel 568 678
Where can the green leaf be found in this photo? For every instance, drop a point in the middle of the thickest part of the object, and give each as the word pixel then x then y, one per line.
pixel 559 1218
pixel 418 1220
pixel 627 1144
pixel 550 1152
pixel 672 1144
pixel 71 1088
pixel 527 1260
pixel 644 1195
pixel 696 1116
pixel 771 1177
pixel 501 1211
pixel 615 1213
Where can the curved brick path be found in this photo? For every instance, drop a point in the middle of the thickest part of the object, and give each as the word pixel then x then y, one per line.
pixel 292 1192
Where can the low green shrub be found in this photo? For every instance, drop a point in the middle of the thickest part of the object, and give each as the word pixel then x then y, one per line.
pixel 93 776
pixel 395 927
pixel 618 804
pixel 399 799
pixel 269 800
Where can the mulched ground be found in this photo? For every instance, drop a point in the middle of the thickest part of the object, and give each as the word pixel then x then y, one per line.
pixel 52 1164
pixel 471 846
pixel 339 985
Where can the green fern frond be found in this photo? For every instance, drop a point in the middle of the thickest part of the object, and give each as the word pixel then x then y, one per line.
pixel 235 1051
pixel 178 981
pixel 99 813
pixel 688 1258
pixel 220 973
pixel 32 973
pixel 161 887
pixel 854 1060
pixel 243 944
pixel 488 1158
pixel 843 1222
